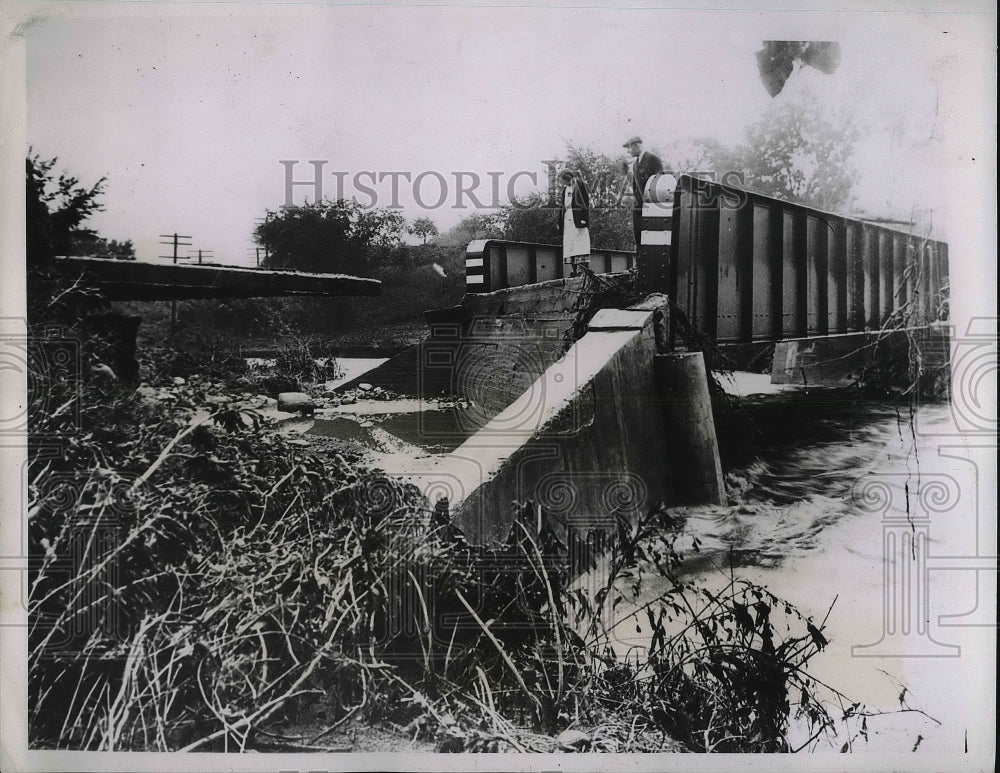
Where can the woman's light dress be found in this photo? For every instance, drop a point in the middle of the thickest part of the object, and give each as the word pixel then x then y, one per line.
pixel 576 241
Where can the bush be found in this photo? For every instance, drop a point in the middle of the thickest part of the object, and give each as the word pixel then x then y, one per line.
pixel 716 675
pixel 191 577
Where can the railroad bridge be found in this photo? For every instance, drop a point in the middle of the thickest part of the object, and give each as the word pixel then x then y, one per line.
pixel 587 407
pixel 744 267
pixel 589 394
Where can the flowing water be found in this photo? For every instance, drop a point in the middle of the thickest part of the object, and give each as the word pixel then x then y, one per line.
pixel 887 519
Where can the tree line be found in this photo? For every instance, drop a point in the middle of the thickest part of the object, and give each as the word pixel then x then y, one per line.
pixel 796 152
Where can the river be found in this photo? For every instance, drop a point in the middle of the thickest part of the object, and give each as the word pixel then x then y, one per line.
pixel 886 517
pixel 823 513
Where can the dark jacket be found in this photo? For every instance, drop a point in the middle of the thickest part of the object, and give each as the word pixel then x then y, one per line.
pixel 581 206
pixel 646 167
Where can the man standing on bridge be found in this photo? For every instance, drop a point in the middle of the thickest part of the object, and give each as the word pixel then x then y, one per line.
pixel 644 166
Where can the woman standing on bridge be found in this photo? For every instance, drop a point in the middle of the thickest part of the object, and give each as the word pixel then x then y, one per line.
pixel 574 220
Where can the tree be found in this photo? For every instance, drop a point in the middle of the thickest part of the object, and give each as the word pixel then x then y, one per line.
pixel 98 246
pixel 471 227
pixel 55 208
pixel 799 153
pixel 795 151
pixel 533 218
pixel 423 227
pixel 701 155
pixel 330 237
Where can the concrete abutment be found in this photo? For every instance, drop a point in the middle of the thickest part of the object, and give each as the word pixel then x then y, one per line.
pixel 597 434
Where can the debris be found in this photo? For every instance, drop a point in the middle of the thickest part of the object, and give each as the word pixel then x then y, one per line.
pixel 103 372
pixel 295 402
pixel 573 740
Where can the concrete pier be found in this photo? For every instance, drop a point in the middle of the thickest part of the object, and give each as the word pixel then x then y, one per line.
pixel 689 426
pixel 584 442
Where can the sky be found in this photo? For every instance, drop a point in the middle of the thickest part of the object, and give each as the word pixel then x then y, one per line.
pixel 188 109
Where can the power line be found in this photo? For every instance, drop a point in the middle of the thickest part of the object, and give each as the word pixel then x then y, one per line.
pixel 175 241
pixel 202 254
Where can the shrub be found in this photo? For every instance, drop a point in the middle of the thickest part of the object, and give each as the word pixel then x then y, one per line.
pixel 191 576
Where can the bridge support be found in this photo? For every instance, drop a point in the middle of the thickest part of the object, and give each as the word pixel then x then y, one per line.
pixel 585 440
pixel 115 342
pixel 689 425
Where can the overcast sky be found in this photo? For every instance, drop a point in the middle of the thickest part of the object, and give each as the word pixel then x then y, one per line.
pixel 188 109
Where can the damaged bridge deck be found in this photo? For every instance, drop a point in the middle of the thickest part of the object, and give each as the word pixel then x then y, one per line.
pixel 121 280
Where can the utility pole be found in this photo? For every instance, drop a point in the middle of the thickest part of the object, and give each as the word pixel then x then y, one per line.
pixel 263 221
pixel 175 242
pixel 204 253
